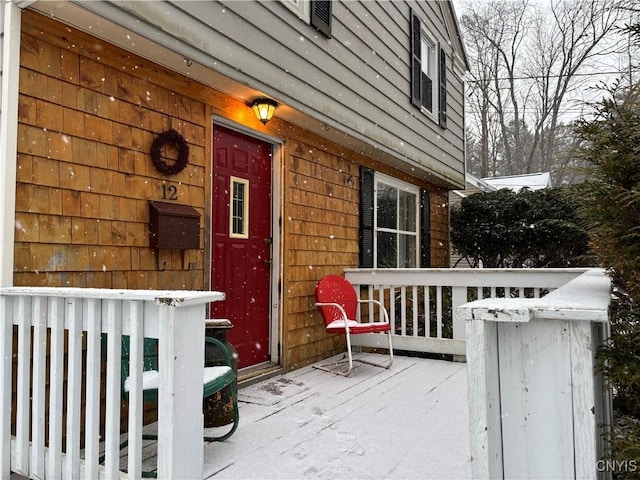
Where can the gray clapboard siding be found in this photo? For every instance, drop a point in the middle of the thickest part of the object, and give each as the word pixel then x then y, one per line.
pixel 397 36
pixel 357 82
pixel 350 73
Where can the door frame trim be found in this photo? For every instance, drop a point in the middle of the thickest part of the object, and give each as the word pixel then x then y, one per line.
pixel 277 165
pixel 240 128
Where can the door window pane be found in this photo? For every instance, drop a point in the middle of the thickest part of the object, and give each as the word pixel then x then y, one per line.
pixel 239 208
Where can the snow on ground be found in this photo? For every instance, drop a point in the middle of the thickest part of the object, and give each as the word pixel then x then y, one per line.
pixel 408 422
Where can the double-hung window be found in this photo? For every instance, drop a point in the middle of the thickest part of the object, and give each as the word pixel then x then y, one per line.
pixel 394 222
pixel 300 7
pixel 316 13
pixel 428 72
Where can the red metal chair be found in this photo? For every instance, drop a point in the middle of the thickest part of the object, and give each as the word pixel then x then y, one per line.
pixel 338 304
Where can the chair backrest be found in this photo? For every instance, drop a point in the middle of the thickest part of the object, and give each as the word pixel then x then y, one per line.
pixel 336 289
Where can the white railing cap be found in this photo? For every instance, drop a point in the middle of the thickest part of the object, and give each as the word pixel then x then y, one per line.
pixel 465 277
pixel 585 298
pixel 174 298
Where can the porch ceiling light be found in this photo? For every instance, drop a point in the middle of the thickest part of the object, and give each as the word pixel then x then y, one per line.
pixel 264 108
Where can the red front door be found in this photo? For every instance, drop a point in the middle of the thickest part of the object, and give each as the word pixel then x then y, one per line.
pixel 241 241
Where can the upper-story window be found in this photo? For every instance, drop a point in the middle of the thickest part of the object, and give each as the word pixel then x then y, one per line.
pixel 428 72
pixel 316 13
pixel 300 7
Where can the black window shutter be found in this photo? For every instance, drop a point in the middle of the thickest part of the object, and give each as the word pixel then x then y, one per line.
pixel 416 61
pixel 321 16
pixel 442 98
pixel 366 217
pixel 425 229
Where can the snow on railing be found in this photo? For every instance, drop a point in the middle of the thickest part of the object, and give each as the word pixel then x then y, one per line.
pixel 421 302
pixel 52 352
pixel 538 406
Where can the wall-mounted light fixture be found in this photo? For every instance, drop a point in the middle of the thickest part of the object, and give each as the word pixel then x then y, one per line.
pixel 264 108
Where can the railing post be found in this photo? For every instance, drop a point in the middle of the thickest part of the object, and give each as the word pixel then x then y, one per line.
pixel 23 405
pixel 6 340
pixel 136 366
pixel 181 366
pixel 56 380
pixel 458 297
pixel 534 407
pixel 74 387
pixel 484 397
pixel 38 381
pixel 91 313
pixel 113 317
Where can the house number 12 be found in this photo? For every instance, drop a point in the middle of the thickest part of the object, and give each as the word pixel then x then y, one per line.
pixel 169 192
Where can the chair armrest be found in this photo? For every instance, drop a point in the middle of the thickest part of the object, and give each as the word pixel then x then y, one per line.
pixel 339 307
pixel 222 346
pixel 384 309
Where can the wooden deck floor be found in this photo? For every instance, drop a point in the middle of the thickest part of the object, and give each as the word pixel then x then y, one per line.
pixel 406 422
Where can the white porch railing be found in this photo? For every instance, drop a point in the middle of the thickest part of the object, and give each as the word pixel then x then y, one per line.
pixel 421 302
pixel 538 406
pixel 58 336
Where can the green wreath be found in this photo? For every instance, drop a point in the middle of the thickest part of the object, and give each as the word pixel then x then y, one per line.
pixel 170 137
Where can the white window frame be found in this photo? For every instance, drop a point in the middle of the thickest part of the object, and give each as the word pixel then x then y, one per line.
pixel 245 214
pixel 400 185
pixel 302 8
pixel 430 64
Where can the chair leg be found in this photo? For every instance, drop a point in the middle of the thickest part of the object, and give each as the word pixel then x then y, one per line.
pixel 236 418
pixel 350 360
pixel 335 370
pixel 388 365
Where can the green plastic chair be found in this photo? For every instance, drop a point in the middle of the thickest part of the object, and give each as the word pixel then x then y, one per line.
pixel 215 379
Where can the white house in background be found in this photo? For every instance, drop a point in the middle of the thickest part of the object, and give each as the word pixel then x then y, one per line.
pixel 532 181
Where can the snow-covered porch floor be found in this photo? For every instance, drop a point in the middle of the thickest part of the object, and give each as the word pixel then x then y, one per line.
pixel 410 421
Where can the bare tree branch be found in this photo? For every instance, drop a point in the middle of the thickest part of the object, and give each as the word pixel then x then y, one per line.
pixel 528 68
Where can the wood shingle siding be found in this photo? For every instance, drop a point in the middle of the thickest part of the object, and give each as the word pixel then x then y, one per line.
pixel 322 229
pixel 88 113
pixel 87 119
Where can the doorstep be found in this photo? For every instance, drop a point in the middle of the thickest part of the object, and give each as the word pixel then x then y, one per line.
pixel 258 373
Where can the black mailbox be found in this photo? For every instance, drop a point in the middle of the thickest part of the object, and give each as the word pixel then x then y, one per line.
pixel 173 226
